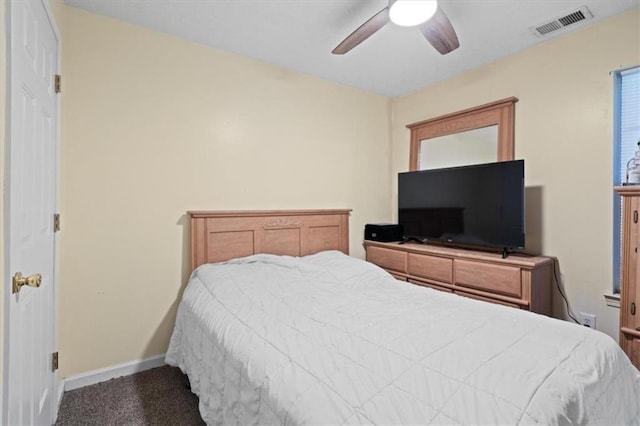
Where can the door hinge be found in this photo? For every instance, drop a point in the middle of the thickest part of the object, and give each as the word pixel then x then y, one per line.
pixel 54 361
pixel 58 83
pixel 56 222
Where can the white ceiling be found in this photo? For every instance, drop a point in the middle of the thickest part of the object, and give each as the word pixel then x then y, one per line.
pixel 300 34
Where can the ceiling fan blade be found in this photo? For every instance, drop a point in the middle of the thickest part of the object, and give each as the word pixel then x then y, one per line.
pixel 363 32
pixel 440 33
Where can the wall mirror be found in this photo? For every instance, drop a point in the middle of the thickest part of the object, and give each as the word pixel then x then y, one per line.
pixel 476 135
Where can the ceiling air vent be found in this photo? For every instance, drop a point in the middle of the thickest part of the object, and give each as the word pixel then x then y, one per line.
pixel 559 23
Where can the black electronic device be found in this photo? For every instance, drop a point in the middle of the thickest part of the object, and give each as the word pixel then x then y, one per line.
pixel 383 232
pixel 479 205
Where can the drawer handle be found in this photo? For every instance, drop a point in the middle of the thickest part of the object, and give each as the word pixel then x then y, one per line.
pixel 633 308
pixel 635 216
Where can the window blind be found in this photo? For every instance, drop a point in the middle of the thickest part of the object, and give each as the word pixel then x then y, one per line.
pixel 626 138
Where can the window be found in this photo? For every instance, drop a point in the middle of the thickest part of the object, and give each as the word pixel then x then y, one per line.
pixel 626 135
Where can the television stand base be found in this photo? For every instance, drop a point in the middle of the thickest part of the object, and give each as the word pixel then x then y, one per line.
pixel 505 253
pixel 523 282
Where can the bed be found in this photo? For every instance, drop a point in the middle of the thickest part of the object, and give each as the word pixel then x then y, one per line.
pixel 278 325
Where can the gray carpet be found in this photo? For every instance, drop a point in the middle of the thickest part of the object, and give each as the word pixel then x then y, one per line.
pixel 159 396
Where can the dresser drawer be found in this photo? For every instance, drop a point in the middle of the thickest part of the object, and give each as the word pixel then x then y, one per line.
pixel 431 285
pixel 432 267
pixel 635 352
pixel 630 342
pixel 486 299
pixel 398 276
pixel 388 259
pixel 488 277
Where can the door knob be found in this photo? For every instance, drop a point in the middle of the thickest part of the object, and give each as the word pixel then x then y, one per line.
pixel 32 281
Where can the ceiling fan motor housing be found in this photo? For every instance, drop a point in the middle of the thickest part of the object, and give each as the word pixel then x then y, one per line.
pixel 409 13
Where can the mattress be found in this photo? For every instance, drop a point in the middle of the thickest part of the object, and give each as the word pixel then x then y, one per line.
pixel 330 339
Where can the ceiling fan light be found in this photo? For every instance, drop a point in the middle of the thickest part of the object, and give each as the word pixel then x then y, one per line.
pixel 408 13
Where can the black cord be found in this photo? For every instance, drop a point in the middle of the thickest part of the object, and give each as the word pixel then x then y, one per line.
pixel 555 276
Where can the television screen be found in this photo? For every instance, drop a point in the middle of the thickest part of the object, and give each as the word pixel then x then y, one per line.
pixel 480 205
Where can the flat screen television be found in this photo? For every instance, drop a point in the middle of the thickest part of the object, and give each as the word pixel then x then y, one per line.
pixel 480 205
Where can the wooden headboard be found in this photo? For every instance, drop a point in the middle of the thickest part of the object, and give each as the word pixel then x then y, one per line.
pixel 217 236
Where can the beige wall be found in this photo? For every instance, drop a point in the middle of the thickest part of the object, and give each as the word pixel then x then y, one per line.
pixel 564 133
pixel 153 126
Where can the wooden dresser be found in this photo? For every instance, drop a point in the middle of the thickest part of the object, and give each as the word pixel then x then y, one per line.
pixel 630 277
pixel 519 281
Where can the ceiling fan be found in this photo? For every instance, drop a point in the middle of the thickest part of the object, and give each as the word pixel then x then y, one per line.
pixel 426 14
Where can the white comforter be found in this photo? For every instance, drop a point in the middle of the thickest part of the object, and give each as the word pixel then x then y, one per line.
pixel 329 339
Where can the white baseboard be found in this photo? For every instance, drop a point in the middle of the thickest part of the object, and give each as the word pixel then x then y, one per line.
pixel 112 372
pixel 59 396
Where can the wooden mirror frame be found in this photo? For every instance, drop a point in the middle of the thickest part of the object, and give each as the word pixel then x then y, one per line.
pixel 501 113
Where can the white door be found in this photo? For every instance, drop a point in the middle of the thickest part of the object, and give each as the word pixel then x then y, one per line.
pixel 31 203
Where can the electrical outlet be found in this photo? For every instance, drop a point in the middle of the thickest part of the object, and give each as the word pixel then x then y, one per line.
pixel 588 320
